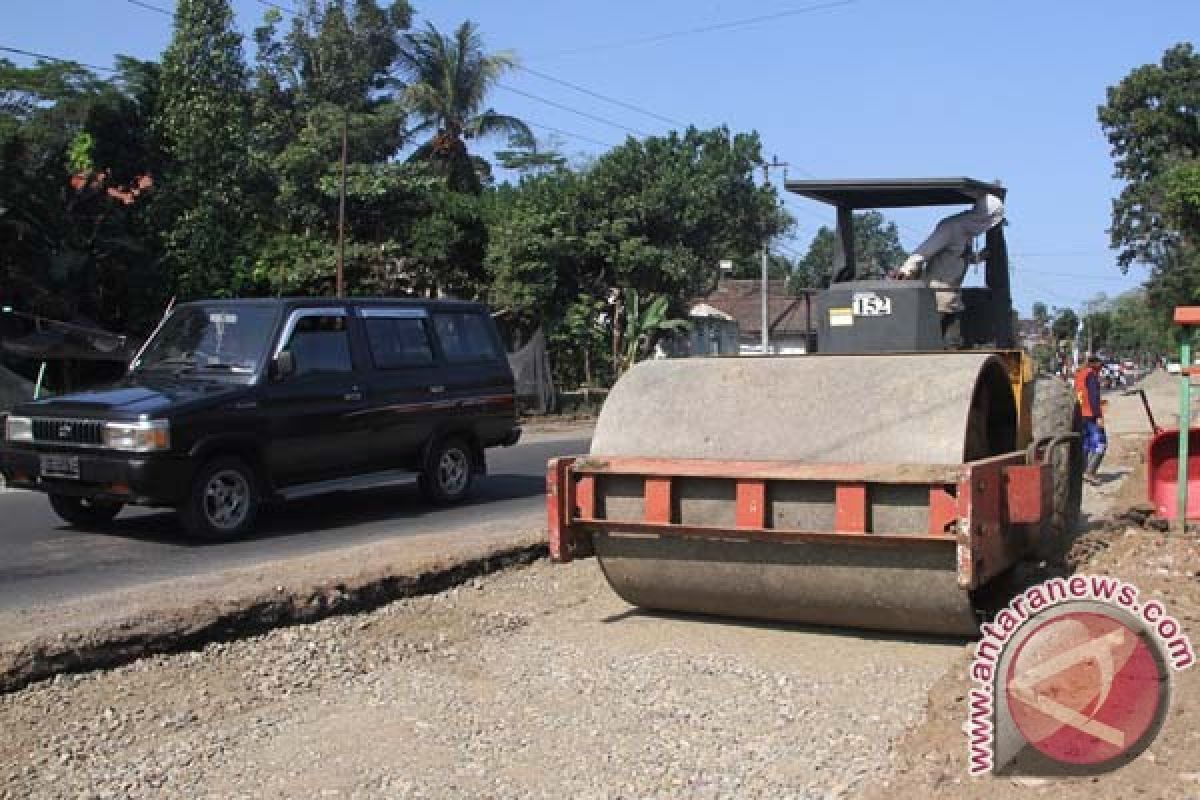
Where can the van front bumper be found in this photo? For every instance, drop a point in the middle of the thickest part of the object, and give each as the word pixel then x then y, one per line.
pixel 159 480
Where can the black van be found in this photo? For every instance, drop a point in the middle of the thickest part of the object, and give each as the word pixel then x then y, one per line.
pixel 235 402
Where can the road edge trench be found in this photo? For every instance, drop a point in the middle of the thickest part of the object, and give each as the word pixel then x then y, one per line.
pixel 113 643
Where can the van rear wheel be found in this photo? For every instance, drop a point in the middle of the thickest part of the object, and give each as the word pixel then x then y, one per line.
pixel 449 471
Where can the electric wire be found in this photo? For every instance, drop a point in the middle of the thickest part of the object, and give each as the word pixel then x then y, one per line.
pixel 717 26
pixel 564 107
pixel 599 96
pixel 44 57
pixel 278 7
pixel 562 132
pixel 151 7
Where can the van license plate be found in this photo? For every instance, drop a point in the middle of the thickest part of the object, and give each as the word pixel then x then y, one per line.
pixel 60 467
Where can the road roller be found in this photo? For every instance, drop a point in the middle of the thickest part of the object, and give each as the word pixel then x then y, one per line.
pixel 888 480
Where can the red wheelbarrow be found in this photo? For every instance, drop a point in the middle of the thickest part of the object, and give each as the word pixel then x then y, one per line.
pixel 1173 460
pixel 1162 473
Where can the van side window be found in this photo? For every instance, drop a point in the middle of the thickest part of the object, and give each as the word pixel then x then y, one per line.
pixel 320 343
pixel 466 337
pixel 398 343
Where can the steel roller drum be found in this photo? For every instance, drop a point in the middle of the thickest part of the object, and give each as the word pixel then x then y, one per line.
pixel 942 408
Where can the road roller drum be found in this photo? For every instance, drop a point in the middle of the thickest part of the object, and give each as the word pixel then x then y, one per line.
pixel 872 491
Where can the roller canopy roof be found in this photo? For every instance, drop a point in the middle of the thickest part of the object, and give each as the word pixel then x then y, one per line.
pixel 896 192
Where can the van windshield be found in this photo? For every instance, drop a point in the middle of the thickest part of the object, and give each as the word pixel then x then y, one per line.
pixel 213 339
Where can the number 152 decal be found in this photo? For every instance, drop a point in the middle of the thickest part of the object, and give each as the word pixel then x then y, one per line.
pixel 871 305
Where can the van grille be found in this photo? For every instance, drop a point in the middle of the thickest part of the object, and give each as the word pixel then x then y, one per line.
pixel 68 431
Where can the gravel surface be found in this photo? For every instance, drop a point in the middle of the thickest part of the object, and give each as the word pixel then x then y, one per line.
pixel 536 682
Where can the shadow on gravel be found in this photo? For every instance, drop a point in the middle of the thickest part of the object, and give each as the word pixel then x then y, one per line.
pixel 637 614
pixel 399 503
pixel 1105 478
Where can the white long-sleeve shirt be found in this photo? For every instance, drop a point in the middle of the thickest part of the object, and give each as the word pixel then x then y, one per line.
pixel 943 256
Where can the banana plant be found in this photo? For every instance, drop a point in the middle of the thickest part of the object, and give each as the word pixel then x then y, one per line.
pixel 644 327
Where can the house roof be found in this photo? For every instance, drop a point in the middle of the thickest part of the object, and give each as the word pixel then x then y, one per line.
pixel 1031 328
pixel 742 300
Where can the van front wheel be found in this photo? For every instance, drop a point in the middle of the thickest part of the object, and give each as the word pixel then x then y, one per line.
pixel 223 502
pixel 84 513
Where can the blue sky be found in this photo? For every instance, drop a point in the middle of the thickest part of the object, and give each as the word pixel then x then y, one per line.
pixel 868 88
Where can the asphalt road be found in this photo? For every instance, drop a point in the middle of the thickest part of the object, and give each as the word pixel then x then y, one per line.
pixel 44 561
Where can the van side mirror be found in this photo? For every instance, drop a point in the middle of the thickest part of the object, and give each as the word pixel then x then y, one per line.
pixel 283 366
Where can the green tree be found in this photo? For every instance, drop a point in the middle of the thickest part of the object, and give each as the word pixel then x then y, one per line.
pixel 580 341
pixel 1041 315
pixel 206 198
pixel 333 69
pixel 662 212
pixel 780 267
pixel 535 232
pixel 75 157
pixel 449 80
pixel 656 215
pixel 531 157
pixel 1152 121
pixel 1065 325
pixel 877 249
pixel 1138 327
pixel 1097 327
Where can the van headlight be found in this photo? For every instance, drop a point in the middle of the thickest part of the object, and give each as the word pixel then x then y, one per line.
pixel 144 436
pixel 18 429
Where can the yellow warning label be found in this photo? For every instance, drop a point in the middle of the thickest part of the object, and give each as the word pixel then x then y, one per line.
pixel 841 316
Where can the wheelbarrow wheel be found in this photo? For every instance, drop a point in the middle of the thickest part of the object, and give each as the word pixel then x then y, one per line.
pixel 1056 412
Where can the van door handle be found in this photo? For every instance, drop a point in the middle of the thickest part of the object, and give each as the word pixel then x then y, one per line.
pixel 437 389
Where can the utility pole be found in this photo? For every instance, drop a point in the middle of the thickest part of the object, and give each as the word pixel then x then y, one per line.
pixel 766 167
pixel 1089 327
pixel 341 244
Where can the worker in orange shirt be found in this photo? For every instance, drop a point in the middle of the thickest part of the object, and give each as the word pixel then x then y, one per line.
pixel 1095 440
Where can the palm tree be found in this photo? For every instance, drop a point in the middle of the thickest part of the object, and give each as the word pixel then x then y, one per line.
pixel 449 79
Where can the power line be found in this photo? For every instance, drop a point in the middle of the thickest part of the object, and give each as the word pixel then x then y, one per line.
pixel 1063 253
pixel 584 114
pixel 530 70
pixel 1074 275
pixel 1053 293
pixel 278 7
pixel 803 209
pixel 170 13
pixel 150 7
pixel 795 252
pixel 45 57
pixel 717 26
pixel 562 132
pixel 598 96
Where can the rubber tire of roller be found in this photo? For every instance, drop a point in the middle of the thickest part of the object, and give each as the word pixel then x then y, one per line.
pixel 1056 412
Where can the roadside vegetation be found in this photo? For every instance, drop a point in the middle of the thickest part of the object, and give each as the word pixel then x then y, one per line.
pixel 214 172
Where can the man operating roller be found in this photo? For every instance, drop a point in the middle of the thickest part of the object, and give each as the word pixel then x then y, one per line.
pixel 943 259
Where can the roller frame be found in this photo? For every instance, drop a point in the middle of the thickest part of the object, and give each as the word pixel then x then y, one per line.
pixel 990 511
